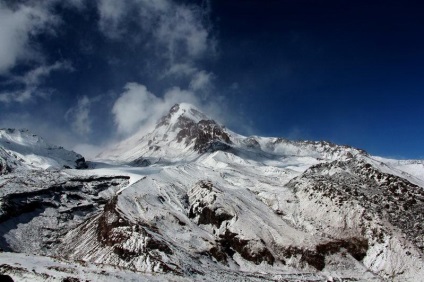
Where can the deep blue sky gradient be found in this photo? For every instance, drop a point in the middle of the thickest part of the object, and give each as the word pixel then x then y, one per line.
pixel 351 72
pixel 347 71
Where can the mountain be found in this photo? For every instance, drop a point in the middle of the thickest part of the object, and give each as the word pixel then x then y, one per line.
pixel 178 136
pixel 192 200
pixel 185 133
pixel 22 148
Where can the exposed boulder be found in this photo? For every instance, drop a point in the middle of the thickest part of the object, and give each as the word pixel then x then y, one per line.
pixel 140 162
pixel 206 134
pixel 4 168
pixel 80 163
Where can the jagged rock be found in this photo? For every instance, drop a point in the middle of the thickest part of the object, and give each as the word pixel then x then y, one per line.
pixel 207 135
pixel 80 163
pixel 251 142
pixel 357 247
pixel 215 202
pixel 215 145
pixel 7 162
pixel 141 162
pixel 230 243
pixel 4 168
pixel 206 205
pixel 120 242
pixel 56 204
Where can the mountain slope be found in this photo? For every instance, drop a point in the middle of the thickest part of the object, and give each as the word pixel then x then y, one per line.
pixel 178 136
pixel 185 133
pixel 22 148
pixel 192 199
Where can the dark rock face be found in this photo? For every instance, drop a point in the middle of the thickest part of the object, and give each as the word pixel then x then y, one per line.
pixel 4 168
pixel 384 195
pixel 205 206
pixel 214 146
pixel 251 142
pixel 80 163
pixel 195 130
pixel 206 210
pixel 114 230
pixel 165 119
pixel 109 220
pixel 319 146
pixel 5 278
pixel 7 162
pixel 206 134
pixel 208 216
pixel 73 200
pixel 357 247
pixel 70 279
pixel 229 243
pixel 140 162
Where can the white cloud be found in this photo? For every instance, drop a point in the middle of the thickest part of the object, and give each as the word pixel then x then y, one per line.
pixel 17 96
pixel 180 70
pixel 175 37
pixel 17 26
pixel 79 4
pixel 201 81
pixel 80 116
pixel 20 23
pixel 28 83
pixel 35 76
pixel 138 108
pixel 182 33
pixel 133 107
pixel 176 32
pixel 48 129
pixel 177 95
pixel 111 14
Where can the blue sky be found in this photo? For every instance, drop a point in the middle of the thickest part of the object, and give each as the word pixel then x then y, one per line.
pixel 87 73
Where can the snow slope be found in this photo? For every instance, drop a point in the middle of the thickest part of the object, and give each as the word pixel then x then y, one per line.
pixel 22 148
pixel 162 142
pixel 193 200
pixel 408 168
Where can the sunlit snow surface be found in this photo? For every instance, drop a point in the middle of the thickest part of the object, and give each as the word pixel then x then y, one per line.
pixel 258 209
pixel 30 150
pixel 253 187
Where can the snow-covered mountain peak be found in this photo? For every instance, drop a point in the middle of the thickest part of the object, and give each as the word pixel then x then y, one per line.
pixel 21 147
pixel 179 114
pixel 196 201
pixel 21 137
pixel 183 133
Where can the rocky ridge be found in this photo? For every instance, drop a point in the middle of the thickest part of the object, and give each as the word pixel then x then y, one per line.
pixel 192 199
pixel 21 148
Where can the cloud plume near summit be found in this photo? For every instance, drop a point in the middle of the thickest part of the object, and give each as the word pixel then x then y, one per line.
pixel 176 37
pixel 138 107
pixel 153 53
